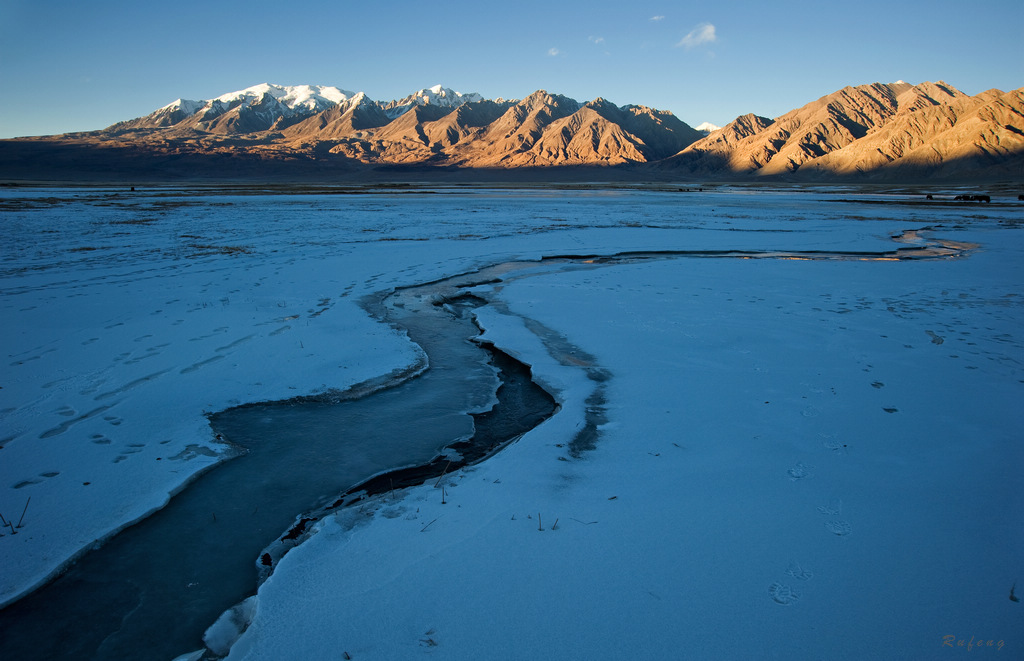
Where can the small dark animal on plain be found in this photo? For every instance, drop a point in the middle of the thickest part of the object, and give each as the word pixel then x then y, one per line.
pixel 972 198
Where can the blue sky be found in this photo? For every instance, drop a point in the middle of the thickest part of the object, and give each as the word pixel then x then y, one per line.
pixel 72 66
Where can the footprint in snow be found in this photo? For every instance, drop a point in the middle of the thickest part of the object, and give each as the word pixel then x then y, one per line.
pixel 798 572
pixel 838 527
pixel 833 444
pixel 799 472
pixel 782 594
pixel 834 507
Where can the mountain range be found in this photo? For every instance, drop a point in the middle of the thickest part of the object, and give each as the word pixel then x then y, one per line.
pixel 881 131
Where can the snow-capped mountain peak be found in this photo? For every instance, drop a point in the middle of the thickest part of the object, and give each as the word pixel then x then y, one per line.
pixel 443 96
pixel 359 97
pixel 255 108
pixel 301 100
pixel 706 128
pixel 298 98
pixel 437 95
pixel 187 106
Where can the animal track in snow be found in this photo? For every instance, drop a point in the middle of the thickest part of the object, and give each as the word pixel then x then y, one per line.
pixel 234 344
pixel 144 356
pixel 63 427
pixel 202 363
pixel 35 480
pixel 91 388
pixel 128 386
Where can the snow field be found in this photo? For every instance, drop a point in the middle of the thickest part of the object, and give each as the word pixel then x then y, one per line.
pixel 794 466
pixel 810 459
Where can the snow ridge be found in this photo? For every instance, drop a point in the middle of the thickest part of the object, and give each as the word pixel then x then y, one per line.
pixel 437 95
pixel 187 106
pixel 301 98
pixel 294 100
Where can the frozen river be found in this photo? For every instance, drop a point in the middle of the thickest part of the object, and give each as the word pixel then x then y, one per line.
pixel 194 559
pixel 140 313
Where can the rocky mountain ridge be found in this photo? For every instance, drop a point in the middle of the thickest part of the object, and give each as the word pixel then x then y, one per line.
pixel 876 131
pixel 879 131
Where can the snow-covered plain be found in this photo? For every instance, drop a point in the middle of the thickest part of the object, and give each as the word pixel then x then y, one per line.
pixel 795 458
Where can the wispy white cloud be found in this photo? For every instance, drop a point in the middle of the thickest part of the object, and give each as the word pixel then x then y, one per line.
pixel 553 52
pixel 599 42
pixel 702 34
pixel 657 18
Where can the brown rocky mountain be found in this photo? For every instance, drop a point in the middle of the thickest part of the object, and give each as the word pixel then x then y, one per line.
pixel 516 131
pixel 353 117
pixel 966 133
pixel 602 133
pixel 721 151
pixel 464 123
pixel 894 131
pixel 801 135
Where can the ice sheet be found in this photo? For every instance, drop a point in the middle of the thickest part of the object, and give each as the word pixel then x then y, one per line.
pixel 833 433
pixel 810 459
